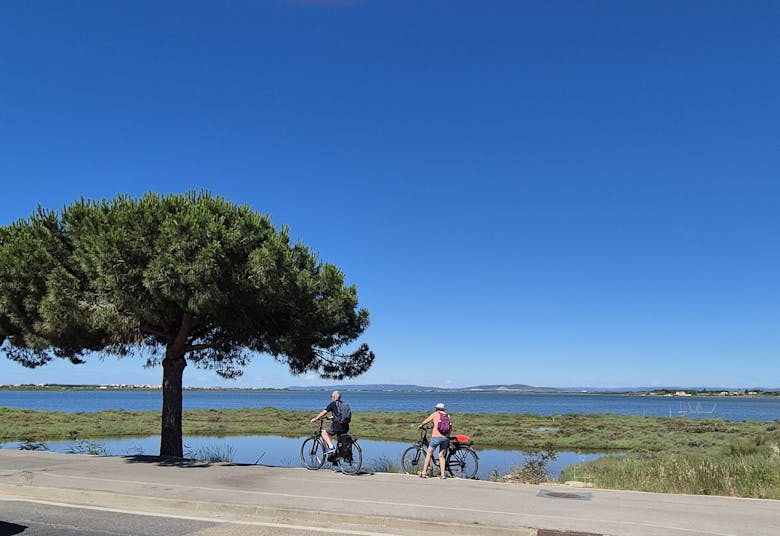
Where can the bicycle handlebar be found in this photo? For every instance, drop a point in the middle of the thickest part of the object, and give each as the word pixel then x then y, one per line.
pixel 321 419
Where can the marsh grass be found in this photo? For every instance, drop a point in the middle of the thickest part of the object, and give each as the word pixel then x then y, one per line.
pixel 741 471
pixel 526 432
pixel 211 453
pixel 530 433
pixel 92 448
pixel 382 465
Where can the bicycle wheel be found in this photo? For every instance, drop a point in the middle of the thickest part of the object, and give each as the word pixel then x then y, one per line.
pixel 412 460
pixel 351 464
pixel 463 463
pixel 312 453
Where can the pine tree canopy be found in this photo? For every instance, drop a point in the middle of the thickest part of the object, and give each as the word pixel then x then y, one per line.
pixel 192 274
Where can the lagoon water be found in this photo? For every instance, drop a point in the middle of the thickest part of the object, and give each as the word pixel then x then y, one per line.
pixel 735 408
pixel 280 451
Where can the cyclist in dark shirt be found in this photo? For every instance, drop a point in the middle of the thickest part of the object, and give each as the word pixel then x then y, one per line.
pixel 335 427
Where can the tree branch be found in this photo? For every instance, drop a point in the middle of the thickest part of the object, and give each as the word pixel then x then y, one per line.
pixel 153 331
pixel 204 346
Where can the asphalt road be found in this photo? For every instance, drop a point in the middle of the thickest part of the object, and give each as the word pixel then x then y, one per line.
pixel 44 518
pixel 41 518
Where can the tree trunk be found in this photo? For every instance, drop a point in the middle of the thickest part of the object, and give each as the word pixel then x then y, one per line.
pixel 171 433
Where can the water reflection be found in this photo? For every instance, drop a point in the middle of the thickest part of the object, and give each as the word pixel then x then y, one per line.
pixel 285 452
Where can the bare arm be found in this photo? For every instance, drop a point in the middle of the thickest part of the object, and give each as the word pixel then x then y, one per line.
pixel 319 416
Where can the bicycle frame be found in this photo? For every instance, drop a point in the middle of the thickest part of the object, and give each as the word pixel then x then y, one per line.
pixel 314 447
pixel 461 461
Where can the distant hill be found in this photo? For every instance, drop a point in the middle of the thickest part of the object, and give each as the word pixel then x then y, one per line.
pixel 515 387
pixel 507 388
pixel 418 388
pixel 367 387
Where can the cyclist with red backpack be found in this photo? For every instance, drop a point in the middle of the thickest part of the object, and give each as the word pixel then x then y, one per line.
pixel 442 426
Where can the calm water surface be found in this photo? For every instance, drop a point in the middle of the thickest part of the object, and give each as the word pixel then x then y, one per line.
pixel 285 452
pixel 730 408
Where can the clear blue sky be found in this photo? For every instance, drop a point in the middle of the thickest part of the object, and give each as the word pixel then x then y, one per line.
pixel 554 193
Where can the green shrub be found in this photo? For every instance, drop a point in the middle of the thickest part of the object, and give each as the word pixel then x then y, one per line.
pixel 533 470
pixel 745 447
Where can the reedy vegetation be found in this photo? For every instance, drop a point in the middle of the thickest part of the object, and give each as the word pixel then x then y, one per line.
pixel 674 455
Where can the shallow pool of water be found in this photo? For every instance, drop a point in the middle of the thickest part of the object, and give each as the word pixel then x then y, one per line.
pixel 285 452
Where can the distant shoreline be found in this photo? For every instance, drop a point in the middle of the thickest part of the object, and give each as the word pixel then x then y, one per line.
pixel 667 392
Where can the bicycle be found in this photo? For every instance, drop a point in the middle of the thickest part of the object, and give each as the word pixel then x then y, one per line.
pixel 461 460
pixel 348 455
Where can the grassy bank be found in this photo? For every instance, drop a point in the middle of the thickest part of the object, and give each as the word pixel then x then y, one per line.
pixel 745 469
pixel 676 455
pixel 489 430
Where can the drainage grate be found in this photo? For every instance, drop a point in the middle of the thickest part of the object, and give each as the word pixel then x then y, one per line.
pixel 564 495
pixel 545 532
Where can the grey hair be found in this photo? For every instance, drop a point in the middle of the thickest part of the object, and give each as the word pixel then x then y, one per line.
pixel 336 394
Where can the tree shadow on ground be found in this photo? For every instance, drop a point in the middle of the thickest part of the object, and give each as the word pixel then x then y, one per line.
pixel 167 461
pixel 9 529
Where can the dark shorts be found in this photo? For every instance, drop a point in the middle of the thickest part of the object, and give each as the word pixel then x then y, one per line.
pixel 338 429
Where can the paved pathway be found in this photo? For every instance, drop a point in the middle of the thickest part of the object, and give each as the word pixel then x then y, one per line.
pixel 371 503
